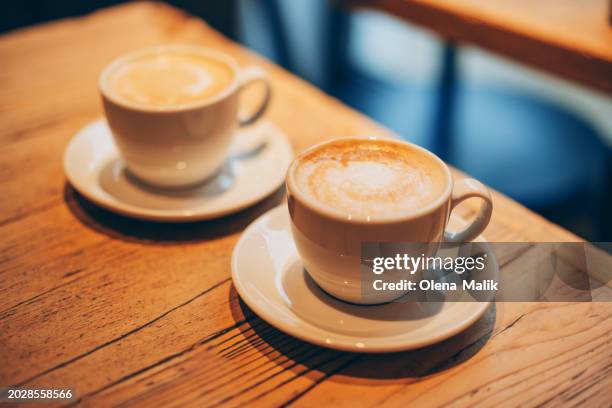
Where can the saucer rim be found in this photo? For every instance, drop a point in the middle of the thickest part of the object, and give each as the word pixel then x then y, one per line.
pixel 401 343
pixel 115 205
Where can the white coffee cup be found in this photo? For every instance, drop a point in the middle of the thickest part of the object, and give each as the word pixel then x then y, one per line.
pixel 183 144
pixel 329 240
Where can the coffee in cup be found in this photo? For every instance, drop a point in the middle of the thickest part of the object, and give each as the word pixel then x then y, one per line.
pixel 169 80
pixel 173 111
pixel 369 179
pixel 347 192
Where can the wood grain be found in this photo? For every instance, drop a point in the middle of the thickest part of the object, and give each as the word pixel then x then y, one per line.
pixel 569 38
pixel 128 312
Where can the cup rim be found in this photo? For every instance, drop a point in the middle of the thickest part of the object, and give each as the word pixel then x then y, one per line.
pixel 107 93
pixel 336 214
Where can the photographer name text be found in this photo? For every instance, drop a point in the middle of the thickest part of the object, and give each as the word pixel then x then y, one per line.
pixel 408 285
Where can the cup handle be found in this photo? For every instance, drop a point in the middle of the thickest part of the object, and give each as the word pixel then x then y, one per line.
pixel 464 189
pixel 250 76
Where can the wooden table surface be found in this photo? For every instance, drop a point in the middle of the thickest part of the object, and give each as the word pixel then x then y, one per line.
pixel 130 312
pixel 571 38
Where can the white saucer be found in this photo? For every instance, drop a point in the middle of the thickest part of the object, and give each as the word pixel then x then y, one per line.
pixel 256 168
pixel 270 279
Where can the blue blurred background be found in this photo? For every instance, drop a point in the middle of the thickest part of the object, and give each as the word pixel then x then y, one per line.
pixel 543 141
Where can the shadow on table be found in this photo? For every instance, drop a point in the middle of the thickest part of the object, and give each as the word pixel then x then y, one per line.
pixel 318 362
pixel 156 233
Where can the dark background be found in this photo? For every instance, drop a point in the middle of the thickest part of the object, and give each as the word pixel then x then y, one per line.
pixel 541 140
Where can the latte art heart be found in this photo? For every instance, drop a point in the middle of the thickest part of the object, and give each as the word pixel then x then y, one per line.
pixel 370 177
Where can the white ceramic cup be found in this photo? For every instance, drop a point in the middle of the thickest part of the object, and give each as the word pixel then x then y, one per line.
pixel 330 242
pixel 179 146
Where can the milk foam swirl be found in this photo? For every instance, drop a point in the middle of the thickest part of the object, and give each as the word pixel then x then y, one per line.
pixel 370 177
pixel 170 79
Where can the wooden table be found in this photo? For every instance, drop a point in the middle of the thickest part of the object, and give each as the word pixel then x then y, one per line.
pixel 566 37
pixel 130 312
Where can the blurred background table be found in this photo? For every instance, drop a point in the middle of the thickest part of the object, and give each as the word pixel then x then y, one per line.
pixel 130 312
pixel 569 38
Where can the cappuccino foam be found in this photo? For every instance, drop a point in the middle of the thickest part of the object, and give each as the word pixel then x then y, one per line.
pixel 370 177
pixel 170 79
